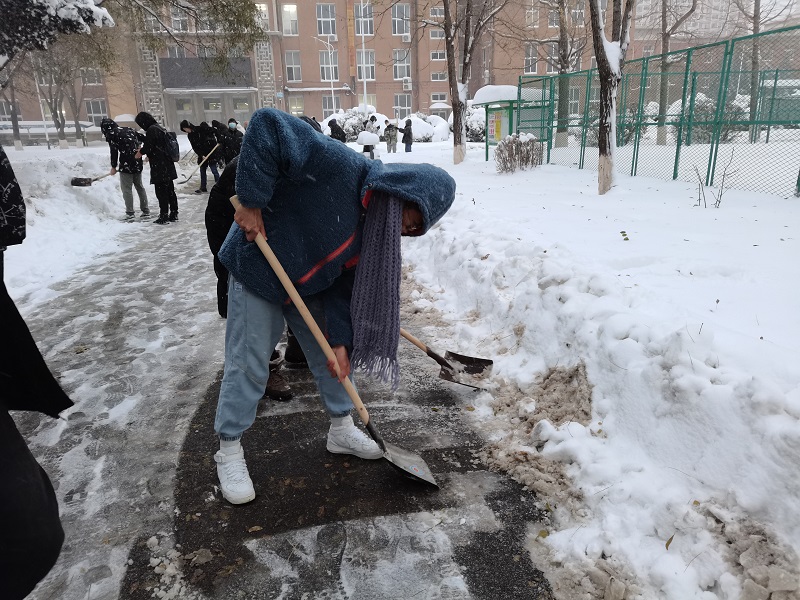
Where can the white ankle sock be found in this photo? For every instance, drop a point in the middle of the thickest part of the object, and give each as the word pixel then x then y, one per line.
pixel 230 446
pixel 341 421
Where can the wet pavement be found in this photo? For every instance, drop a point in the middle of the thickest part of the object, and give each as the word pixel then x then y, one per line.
pixel 136 341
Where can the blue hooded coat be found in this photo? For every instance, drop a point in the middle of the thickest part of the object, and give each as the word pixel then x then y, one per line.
pixel 313 192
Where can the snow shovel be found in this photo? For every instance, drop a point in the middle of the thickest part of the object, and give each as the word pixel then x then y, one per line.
pixel 408 463
pixel 200 165
pixel 87 181
pixel 458 368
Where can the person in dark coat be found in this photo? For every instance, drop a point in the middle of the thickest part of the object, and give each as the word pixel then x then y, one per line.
pixel 230 138
pixel 162 167
pixel 337 132
pixel 124 142
pixel 313 122
pixel 323 209
pixel 204 142
pixel 32 534
pixel 219 218
pixel 408 135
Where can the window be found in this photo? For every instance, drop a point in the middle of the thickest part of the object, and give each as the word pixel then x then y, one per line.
pixel 180 19
pixel 574 100
pixel 440 97
pixel 438 55
pixel 212 103
pixel 437 34
pixel 183 108
pixel 364 23
pixel 151 24
pixel 174 51
pixel 593 63
pixel 532 16
pixel 206 52
pixel 648 50
pixel 401 15
pixel 296 106
pixel 289 13
pixel 437 12
pixel 326 19
pixel 552 18
pixel 330 105
pixel 293 70
pixel 263 15
pixel 531 58
pixel 552 57
pixel 5 110
pixel 91 76
pixel 96 110
pixel 402 64
pixel 329 65
pixel 372 99
pixel 366 65
pixel 578 14
pixel 402 105
pixel 438 76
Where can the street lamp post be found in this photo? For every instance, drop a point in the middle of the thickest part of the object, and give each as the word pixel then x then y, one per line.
pixel 329 46
pixel 364 56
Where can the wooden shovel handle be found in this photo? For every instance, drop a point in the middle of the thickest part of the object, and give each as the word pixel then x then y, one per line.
pixel 439 359
pixel 309 320
pixel 201 164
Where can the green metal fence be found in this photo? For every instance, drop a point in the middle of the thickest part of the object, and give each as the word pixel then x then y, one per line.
pixel 731 108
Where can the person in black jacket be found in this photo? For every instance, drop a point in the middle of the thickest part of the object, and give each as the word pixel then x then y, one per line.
pixel 124 142
pixel 219 218
pixel 162 168
pixel 337 132
pixel 32 534
pixel 230 138
pixel 408 135
pixel 204 142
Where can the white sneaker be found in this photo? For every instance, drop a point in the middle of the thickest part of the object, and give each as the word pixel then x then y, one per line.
pixel 234 480
pixel 349 439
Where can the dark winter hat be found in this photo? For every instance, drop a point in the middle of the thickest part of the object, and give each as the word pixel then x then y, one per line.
pixel 145 120
pixel 186 125
pixel 332 122
pixel 408 122
pixel 107 125
pixel 232 120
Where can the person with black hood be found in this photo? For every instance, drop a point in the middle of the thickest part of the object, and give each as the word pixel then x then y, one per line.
pixel 203 141
pixel 230 137
pixel 162 167
pixel 408 135
pixel 32 534
pixel 323 209
pixel 124 142
pixel 337 132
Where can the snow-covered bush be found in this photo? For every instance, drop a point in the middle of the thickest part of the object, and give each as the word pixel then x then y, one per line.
pixel 518 151
pixel 703 121
pixel 475 121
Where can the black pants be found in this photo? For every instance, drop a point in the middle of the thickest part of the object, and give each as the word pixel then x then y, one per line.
pixel 167 200
pixel 31 530
pixel 222 287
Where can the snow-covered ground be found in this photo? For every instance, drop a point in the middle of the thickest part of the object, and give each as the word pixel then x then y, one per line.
pixel 647 357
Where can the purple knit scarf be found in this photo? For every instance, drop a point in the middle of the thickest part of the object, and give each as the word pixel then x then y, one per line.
pixel 375 304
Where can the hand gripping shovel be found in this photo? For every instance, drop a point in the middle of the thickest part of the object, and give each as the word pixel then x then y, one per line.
pixel 408 463
pixel 87 181
pixel 458 368
pixel 200 165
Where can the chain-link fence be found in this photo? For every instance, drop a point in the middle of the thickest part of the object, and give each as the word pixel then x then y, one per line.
pixel 727 109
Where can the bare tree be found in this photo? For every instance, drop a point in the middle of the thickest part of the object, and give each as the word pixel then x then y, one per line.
pixel 755 14
pixel 610 56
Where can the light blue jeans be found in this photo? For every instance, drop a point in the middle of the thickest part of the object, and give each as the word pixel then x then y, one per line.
pixel 254 328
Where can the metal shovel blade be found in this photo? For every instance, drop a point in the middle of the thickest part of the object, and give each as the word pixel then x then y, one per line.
pixel 466 370
pixel 82 181
pixel 409 464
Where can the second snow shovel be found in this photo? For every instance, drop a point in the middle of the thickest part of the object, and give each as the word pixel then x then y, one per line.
pixel 200 165
pixel 87 181
pixel 458 368
pixel 410 464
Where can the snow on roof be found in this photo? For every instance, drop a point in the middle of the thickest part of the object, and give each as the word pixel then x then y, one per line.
pixel 436 105
pixel 495 93
pixel 124 118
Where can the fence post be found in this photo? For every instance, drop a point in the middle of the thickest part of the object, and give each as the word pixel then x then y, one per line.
pixel 585 126
pixel 637 136
pixel 692 104
pixel 682 117
pixel 772 104
pixel 721 97
pixel 550 116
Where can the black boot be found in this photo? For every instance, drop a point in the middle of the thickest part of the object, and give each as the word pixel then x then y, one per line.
pixel 173 216
pixel 162 219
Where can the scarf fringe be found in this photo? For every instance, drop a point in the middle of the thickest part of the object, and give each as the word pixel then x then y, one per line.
pixel 380 367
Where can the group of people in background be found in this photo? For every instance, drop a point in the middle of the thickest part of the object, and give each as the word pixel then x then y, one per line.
pixel 215 146
pixel 390 132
